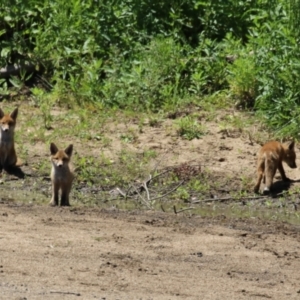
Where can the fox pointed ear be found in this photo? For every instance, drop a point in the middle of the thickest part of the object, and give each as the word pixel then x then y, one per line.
pixel 69 150
pixel 14 114
pixel 53 149
pixel 291 145
pixel 1 113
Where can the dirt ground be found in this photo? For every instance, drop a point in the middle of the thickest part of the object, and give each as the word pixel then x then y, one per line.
pixel 81 252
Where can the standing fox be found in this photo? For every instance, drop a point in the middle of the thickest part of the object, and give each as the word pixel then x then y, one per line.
pixel 61 174
pixel 270 158
pixel 8 156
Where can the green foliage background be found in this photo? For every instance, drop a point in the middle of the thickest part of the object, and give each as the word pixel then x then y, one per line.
pixel 156 55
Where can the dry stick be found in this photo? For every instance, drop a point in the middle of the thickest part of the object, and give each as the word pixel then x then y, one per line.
pixel 145 185
pixel 65 293
pixel 144 201
pixel 176 187
pixel 164 172
pixel 146 182
pixel 184 209
pixel 231 198
pixel 121 192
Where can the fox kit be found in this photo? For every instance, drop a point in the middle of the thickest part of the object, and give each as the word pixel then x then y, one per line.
pixel 270 158
pixel 8 157
pixel 61 174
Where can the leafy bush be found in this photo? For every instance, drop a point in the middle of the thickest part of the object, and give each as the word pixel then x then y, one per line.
pixel 277 63
pixel 242 79
pixel 152 54
pixel 156 77
pixel 76 41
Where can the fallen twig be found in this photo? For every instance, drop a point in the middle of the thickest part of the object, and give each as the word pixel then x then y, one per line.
pixel 184 209
pixel 117 191
pixel 174 189
pixel 230 198
pixel 143 200
pixel 142 187
pixel 65 293
pixel 145 186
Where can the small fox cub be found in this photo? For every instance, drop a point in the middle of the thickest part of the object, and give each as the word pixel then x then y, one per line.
pixel 270 158
pixel 8 156
pixel 61 174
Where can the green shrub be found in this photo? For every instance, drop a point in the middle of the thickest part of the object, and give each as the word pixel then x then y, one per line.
pixel 242 80
pixel 277 63
pixel 76 43
pixel 154 79
pixel 209 70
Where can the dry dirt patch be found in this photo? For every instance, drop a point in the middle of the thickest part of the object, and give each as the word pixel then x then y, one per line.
pixel 98 254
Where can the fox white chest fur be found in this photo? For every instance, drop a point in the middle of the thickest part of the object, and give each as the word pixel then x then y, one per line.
pixel 61 173
pixel 7 137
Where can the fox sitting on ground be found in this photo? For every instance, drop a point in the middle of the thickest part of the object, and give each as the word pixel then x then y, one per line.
pixel 61 174
pixel 270 158
pixel 8 156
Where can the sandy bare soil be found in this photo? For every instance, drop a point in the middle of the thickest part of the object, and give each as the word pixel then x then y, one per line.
pixel 82 252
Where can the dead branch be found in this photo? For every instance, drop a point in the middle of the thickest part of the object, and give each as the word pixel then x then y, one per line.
pixel 117 191
pixel 184 209
pixel 143 200
pixel 65 293
pixel 174 189
pixel 229 199
pixel 240 199
pixel 162 173
pixel 141 188
pixel 145 186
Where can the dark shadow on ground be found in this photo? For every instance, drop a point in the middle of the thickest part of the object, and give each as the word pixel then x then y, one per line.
pixel 15 172
pixel 280 186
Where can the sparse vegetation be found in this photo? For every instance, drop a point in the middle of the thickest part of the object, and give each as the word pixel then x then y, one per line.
pixel 175 67
pixel 189 128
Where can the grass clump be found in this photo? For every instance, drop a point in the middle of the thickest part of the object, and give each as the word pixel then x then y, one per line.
pixel 189 128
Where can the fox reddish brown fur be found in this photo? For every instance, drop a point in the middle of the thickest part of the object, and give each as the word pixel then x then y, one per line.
pixel 61 174
pixel 270 158
pixel 8 156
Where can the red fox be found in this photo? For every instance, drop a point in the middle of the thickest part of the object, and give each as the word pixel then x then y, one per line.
pixel 61 174
pixel 8 156
pixel 270 158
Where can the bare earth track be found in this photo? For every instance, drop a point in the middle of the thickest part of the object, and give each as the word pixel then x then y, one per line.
pixel 80 253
